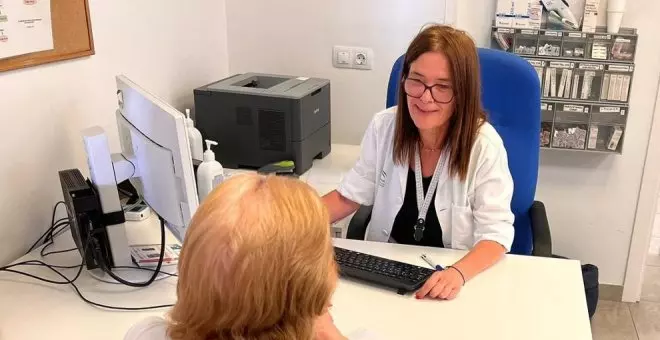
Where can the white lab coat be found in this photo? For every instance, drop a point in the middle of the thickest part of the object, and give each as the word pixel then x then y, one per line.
pixel 468 212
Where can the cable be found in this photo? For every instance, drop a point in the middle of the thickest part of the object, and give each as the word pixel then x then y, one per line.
pixel 52 265
pixel 62 231
pixel 26 263
pixel 101 260
pixel 52 219
pixel 46 233
pixel 63 219
pixel 77 290
pixel 71 282
pixel 63 223
pixel 127 193
pixel 100 278
pixel 55 233
pixel 149 269
pixel 134 168
pixel 56 252
pixel 131 206
pixel 31 262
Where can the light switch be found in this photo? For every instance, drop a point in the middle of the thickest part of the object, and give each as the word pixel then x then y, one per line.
pixel 341 57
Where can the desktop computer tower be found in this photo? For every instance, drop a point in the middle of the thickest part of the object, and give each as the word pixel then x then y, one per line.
pixel 85 218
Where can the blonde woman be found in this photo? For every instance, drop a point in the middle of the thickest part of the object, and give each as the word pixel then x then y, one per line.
pixel 257 263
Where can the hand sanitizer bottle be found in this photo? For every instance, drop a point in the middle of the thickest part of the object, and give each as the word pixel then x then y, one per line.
pixel 194 138
pixel 210 173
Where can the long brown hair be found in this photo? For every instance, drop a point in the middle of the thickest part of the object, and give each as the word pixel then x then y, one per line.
pixel 257 263
pixel 468 115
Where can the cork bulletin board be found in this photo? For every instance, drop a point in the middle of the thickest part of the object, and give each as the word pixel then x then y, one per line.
pixel 72 36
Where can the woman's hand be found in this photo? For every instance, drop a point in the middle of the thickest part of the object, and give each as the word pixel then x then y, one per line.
pixel 325 329
pixel 445 285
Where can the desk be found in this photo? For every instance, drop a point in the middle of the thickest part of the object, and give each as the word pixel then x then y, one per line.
pixel 519 298
pixel 522 297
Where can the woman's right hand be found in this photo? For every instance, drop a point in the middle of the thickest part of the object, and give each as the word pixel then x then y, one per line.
pixel 325 329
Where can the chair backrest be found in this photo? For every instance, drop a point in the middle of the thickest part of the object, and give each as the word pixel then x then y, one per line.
pixel 511 96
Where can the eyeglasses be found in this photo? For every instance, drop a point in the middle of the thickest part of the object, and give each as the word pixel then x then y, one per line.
pixel 441 93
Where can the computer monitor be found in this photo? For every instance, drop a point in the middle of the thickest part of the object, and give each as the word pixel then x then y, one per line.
pixel 155 156
pixel 153 136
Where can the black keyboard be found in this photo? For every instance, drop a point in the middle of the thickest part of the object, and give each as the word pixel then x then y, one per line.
pixel 393 274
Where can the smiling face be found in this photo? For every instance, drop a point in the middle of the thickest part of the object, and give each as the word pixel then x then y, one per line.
pixel 428 111
pixel 443 94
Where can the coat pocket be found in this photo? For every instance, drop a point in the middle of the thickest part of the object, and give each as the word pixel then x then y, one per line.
pixel 462 227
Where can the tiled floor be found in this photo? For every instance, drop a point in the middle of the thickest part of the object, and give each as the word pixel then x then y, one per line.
pixel 635 321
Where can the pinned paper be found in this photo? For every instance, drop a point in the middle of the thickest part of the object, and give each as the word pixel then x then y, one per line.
pixel 25 27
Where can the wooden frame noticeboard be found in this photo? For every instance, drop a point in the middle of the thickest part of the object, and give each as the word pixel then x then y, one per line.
pixel 72 36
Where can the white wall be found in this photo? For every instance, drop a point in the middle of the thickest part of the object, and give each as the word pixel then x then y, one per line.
pixel 591 199
pixel 166 47
pixel 295 37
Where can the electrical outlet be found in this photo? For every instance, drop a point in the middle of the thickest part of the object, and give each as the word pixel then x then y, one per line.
pixel 352 57
pixel 362 58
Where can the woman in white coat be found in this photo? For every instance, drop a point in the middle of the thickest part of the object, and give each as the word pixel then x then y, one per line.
pixel 433 168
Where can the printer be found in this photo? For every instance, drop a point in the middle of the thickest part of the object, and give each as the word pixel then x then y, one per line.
pixel 258 119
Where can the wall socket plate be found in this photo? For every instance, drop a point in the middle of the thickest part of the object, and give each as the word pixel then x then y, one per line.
pixel 360 58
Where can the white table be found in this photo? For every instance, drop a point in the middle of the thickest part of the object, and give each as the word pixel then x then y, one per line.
pixel 522 297
pixel 519 298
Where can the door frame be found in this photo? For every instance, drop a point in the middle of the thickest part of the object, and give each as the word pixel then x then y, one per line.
pixel 645 213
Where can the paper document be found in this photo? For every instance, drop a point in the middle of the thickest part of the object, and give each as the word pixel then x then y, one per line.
pixel 25 27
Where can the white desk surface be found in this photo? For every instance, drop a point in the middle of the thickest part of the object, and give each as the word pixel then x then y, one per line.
pixel 519 298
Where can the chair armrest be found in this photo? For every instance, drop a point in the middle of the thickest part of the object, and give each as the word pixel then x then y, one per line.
pixel 540 230
pixel 357 227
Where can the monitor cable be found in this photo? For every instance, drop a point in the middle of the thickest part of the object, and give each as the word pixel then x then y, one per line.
pixel 104 266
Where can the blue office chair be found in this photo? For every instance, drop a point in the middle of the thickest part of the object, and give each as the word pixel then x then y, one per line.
pixel 511 96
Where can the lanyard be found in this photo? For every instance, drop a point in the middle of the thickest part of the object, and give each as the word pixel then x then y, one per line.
pixel 423 203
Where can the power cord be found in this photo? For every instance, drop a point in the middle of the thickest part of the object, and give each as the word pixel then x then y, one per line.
pixel 71 282
pixel 28 263
pixel 53 234
pixel 48 232
pixel 49 236
pixel 133 164
pixel 56 252
pixel 104 280
pixel 101 261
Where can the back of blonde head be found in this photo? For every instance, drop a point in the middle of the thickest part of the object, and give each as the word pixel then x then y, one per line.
pixel 257 263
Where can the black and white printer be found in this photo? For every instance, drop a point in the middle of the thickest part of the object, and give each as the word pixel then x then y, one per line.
pixel 258 119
